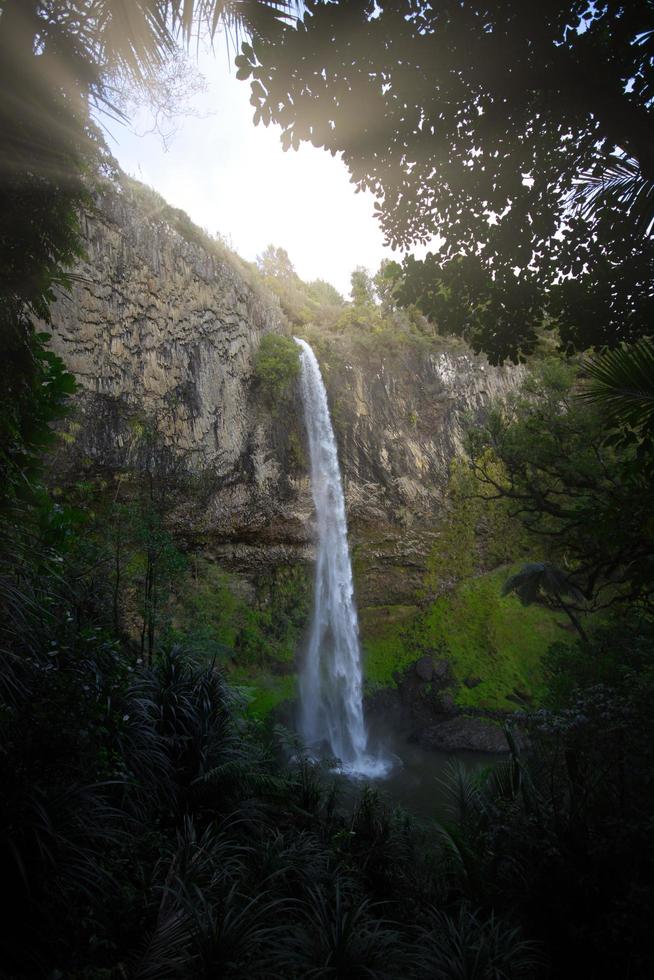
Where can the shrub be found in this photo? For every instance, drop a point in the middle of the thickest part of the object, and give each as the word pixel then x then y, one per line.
pixel 276 367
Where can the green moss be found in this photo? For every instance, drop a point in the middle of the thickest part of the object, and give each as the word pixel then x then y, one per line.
pixel 476 533
pixel 490 637
pixel 212 614
pixel 483 634
pixel 254 636
pixel 283 607
pixel 385 641
pixel 264 691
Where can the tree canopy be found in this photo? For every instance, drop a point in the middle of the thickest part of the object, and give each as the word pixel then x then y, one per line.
pixel 362 289
pixel 584 501
pixel 521 134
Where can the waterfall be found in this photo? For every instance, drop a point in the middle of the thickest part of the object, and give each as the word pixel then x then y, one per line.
pixel 331 697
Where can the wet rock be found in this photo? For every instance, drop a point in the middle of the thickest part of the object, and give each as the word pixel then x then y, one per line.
pixel 463 732
pixel 386 705
pixel 446 702
pixel 424 668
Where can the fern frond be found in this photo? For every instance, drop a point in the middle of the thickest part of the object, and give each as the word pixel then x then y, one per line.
pixel 622 384
pixel 620 185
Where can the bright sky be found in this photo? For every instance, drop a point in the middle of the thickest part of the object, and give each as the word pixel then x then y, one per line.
pixel 234 179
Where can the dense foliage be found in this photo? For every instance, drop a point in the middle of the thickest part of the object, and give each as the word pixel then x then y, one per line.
pixel 519 135
pixel 277 367
pixel 149 829
pixel 372 320
pixel 302 302
pixel 548 457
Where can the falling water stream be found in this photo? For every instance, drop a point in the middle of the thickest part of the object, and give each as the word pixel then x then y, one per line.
pixel 331 695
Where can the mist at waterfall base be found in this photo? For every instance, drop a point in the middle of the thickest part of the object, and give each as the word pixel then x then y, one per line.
pixel 330 683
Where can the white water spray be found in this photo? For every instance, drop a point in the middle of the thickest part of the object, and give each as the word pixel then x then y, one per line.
pixel 331 696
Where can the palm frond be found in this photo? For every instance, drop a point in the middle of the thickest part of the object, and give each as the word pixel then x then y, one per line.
pixel 254 16
pixel 621 184
pixel 462 790
pixel 133 34
pixel 456 851
pixel 622 384
pixel 136 37
pixel 235 933
pixel 342 934
pixel 164 953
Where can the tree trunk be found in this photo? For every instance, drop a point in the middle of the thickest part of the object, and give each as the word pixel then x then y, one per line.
pixel 573 619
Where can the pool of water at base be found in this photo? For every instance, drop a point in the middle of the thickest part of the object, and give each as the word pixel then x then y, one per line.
pixel 416 775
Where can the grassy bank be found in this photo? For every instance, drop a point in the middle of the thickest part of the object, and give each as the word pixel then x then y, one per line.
pixel 264 690
pixel 490 640
pixel 386 640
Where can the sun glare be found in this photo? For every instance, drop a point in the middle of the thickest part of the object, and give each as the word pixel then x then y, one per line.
pixel 234 180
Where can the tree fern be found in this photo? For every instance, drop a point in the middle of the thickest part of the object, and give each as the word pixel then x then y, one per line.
pixel 620 185
pixel 540 581
pixel 621 381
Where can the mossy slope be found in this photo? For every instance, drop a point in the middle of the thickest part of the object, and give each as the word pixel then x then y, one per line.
pixel 264 690
pixel 487 638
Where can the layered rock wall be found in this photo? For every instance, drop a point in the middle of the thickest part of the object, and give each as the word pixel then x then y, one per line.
pixel 161 331
pixel 399 417
pixel 161 328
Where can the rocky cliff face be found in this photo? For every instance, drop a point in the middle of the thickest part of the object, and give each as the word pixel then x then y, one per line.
pixel 399 416
pixel 161 327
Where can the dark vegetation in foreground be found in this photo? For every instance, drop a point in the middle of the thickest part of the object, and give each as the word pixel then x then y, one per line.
pixel 149 829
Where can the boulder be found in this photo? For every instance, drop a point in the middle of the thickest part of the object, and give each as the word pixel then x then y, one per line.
pixel 442 670
pixel 424 668
pixel 446 702
pixel 464 732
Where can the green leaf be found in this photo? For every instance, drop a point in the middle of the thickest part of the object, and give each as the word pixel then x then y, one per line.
pixel 622 383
